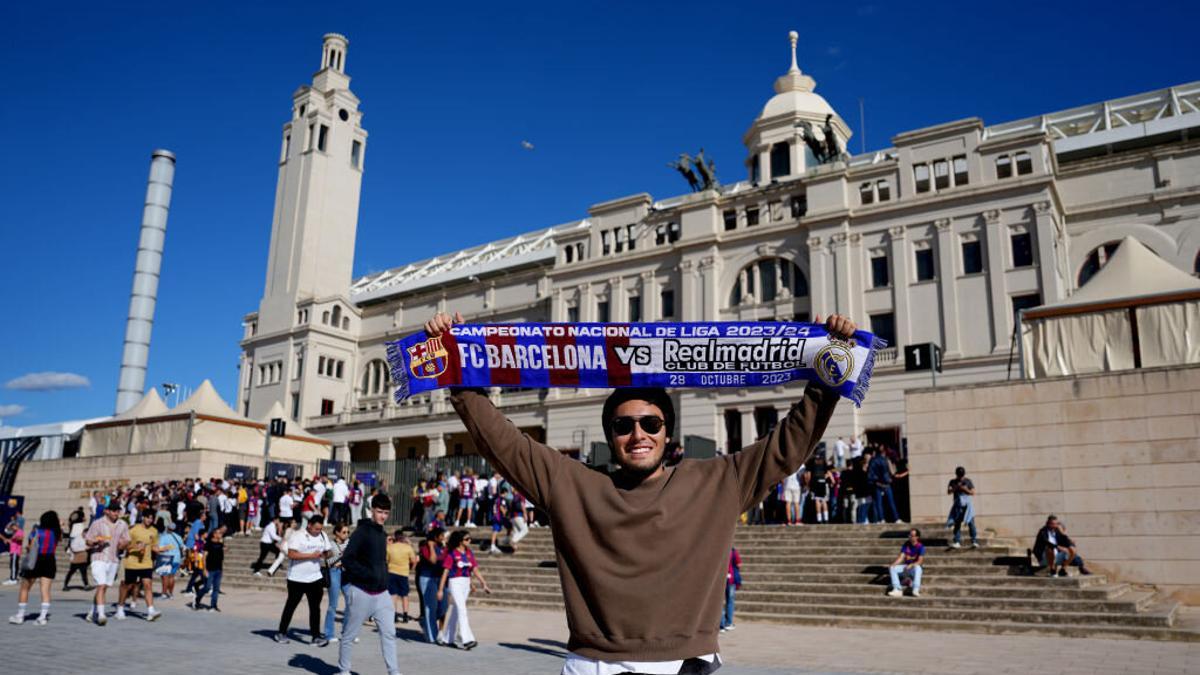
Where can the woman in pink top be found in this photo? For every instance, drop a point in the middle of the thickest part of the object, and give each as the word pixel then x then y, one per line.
pixel 14 536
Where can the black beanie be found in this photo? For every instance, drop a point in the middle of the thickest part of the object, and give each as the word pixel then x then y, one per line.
pixel 656 395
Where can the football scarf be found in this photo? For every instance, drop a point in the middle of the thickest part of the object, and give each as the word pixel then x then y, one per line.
pixel 603 355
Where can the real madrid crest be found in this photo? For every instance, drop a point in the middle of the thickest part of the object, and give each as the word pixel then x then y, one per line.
pixel 834 363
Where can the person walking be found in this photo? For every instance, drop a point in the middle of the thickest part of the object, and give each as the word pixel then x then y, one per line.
pixel 286 537
pixel 733 583
pixel 214 565
pixel 401 559
pixel 962 510
pixel 458 566
pixel 333 566
pixel 819 486
pixel 339 509
pixel 14 537
pixel 429 572
pixel 305 550
pixel 879 475
pixel 268 545
pixel 364 577
pixel 139 566
pixel 170 557
pixel 792 496
pixel 106 537
pixel 78 548
pixel 500 521
pixel 40 566
pixel 633 603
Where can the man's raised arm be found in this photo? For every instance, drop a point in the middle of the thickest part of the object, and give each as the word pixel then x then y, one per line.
pixel 762 465
pixel 530 465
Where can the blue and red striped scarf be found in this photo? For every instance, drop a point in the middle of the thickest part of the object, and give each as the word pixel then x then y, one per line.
pixel 599 355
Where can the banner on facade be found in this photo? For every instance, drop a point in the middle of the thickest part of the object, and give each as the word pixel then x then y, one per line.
pixel 600 355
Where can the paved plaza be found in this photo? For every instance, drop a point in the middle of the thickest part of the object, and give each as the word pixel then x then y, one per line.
pixel 515 642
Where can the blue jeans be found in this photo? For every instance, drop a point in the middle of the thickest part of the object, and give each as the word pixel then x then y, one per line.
pixel 335 592
pixel 727 615
pixel 898 570
pixel 430 607
pixel 958 531
pixel 880 494
pixel 212 584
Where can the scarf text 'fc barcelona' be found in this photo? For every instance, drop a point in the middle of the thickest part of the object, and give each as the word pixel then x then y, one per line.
pixel 605 355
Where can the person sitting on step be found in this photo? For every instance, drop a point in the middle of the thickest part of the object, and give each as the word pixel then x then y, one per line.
pixel 908 564
pixel 1056 550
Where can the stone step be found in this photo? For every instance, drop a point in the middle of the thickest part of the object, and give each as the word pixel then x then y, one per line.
pixel 826 570
pixel 844 556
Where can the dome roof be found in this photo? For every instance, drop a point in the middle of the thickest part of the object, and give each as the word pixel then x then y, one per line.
pixel 797 102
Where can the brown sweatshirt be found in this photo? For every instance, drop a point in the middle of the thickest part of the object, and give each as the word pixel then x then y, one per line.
pixel 643 567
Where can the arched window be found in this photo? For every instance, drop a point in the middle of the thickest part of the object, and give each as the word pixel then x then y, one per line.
pixel 337 316
pixel 1097 259
pixel 376 378
pixel 767 280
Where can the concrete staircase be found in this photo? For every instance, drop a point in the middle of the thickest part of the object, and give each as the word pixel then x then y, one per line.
pixel 836 575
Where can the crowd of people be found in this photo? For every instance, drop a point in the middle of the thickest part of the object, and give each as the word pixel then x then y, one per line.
pixel 852 484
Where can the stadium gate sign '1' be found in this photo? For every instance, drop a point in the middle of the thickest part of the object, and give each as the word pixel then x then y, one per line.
pixel 605 355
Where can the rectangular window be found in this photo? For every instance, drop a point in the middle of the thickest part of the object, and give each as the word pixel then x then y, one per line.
pixel 1024 163
pixel 287 147
pixel 921 175
pixel 635 308
pixel 755 169
pixel 960 170
pixel 572 315
pixel 312 136
pixel 941 174
pixel 605 247
pixel 799 206
pixel 1003 166
pixel 295 406
pixel 667 300
pixel 730 220
pixel 879 271
pixel 972 255
pixel 322 138
pixel 884 326
pixel 630 237
pixel 602 311
pixel 781 160
pixel 866 193
pixel 320 365
pixel 1023 302
pixel 1022 249
pixel 751 216
pixel 356 154
pixel 884 190
pixel 733 431
pixel 672 233
pixel 618 242
pixel 338 372
pixel 925 264
pixel 660 235
pixel 569 254
pixel 326 406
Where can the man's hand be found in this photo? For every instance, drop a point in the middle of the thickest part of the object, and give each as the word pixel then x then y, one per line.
pixel 441 322
pixel 838 326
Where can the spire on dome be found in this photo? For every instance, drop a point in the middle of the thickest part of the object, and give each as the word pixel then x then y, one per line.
pixel 793 79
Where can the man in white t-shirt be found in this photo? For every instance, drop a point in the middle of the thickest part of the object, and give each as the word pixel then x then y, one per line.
pixel 340 511
pixel 306 549
pixel 840 448
pixel 286 502
pixel 319 487
pixel 793 496
pixel 856 447
pixel 268 546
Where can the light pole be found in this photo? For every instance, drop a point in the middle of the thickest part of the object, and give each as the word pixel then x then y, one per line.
pixel 171 388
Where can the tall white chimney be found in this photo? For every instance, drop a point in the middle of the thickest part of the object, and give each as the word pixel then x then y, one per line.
pixel 132 384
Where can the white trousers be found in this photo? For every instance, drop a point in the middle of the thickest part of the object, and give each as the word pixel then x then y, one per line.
pixel 457 622
pixel 519 530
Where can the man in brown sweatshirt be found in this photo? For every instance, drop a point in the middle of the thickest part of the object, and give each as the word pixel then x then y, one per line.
pixel 642 551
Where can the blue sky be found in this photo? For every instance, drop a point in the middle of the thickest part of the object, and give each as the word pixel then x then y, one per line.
pixel 607 93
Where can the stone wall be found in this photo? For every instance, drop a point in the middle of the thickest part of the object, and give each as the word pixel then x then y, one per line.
pixel 63 484
pixel 1116 456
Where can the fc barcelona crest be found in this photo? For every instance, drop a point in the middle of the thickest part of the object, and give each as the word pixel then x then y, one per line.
pixel 427 359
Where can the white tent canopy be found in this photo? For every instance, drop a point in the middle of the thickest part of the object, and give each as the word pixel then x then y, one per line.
pixel 1137 311
pixel 150 406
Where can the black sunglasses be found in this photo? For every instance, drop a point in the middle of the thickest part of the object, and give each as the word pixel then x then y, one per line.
pixel 651 424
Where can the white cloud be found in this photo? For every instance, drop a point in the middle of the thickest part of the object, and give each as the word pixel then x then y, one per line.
pixel 11 410
pixel 48 381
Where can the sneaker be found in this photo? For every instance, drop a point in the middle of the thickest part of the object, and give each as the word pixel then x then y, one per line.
pixel 405 618
pixel 214 608
pixel 895 593
pixel 101 620
pixel 153 614
pixel 120 616
pixel 88 618
pixel 955 544
pixel 42 621
pixel 10 582
pixel 17 619
pixel 730 627
pixel 194 605
pixel 470 645
pixel 974 544
pixel 320 642
pixel 258 574
pixel 335 640
pixel 1085 571
pixel 723 630
pixel 1062 573
pixel 281 639
pixel 916 593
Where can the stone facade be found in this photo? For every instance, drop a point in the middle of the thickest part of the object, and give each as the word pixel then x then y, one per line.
pixel 939 238
pixel 1116 456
